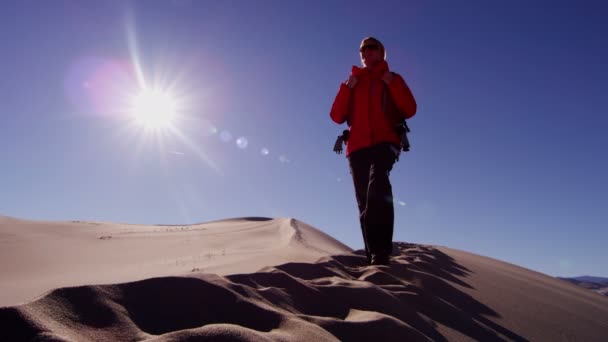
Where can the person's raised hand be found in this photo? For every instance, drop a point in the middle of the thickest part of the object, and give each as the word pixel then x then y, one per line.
pixel 388 77
pixel 352 81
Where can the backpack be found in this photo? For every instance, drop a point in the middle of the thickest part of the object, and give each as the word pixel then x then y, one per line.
pixel 400 125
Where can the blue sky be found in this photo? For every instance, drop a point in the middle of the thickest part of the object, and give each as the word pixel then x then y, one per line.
pixel 508 147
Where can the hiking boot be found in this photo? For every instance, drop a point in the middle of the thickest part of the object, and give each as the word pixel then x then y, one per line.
pixel 380 259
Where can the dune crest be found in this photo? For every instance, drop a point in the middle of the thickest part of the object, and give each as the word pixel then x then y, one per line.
pixel 38 256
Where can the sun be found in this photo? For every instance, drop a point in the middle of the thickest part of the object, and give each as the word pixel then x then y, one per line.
pixel 153 108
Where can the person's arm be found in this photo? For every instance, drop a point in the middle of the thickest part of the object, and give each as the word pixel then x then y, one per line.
pixel 339 110
pixel 402 96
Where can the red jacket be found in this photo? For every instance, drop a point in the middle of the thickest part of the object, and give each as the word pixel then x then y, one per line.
pixel 369 125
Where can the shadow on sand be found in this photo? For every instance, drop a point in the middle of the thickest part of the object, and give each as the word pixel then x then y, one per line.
pixel 416 289
pixel 337 298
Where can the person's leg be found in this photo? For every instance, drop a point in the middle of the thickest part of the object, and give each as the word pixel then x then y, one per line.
pixel 359 163
pixel 378 216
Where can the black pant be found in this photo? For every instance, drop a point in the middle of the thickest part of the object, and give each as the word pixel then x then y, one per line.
pixel 370 169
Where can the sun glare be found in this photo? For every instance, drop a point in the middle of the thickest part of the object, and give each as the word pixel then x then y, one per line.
pixel 154 109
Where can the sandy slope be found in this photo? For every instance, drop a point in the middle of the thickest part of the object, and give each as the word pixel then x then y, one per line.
pixel 36 257
pixel 428 294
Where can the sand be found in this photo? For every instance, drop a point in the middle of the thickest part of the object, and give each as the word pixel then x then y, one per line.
pixel 41 256
pixel 258 279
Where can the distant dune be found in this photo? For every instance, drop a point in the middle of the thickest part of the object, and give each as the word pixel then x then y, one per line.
pixel 595 284
pixel 598 280
pixel 257 279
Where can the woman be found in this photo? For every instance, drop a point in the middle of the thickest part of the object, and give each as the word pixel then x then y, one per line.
pixel 374 101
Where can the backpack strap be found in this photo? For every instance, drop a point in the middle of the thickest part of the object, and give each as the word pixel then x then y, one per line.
pixel 384 93
pixel 401 128
pixel 350 108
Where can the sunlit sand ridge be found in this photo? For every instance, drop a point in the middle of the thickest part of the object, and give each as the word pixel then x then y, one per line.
pixel 291 282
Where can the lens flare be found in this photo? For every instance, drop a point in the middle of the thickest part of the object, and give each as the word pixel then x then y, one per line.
pixel 207 128
pixel 242 142
pixel 97 85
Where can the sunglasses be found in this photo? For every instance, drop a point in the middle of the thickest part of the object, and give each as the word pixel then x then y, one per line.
pixel 372 47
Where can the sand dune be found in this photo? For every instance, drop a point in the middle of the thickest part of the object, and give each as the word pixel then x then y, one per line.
pixel 429 293
pixel 37 256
